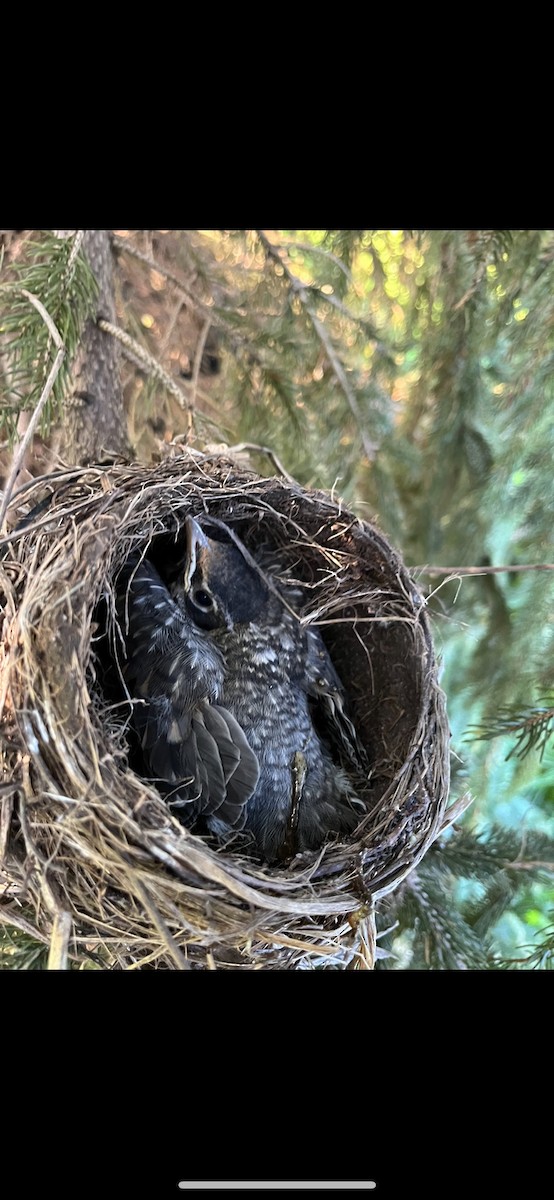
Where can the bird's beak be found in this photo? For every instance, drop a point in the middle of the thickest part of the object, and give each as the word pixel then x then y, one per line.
pixel 196 541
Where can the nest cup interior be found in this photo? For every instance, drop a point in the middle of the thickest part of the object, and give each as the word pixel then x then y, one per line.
pixel 61 568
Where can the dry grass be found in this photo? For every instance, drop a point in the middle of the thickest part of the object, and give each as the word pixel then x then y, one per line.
pixel 93 862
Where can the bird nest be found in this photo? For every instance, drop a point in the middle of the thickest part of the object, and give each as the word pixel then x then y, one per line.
pixel 94 862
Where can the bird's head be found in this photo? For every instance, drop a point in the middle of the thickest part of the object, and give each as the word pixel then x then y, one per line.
pixel 221 587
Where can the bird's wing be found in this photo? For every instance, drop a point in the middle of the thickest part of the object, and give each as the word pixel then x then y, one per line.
pixel 191 743
pixel 326 690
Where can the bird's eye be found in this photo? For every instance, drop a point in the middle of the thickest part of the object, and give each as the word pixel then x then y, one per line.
pixel 202 599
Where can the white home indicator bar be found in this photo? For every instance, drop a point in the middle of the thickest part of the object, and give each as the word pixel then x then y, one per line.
pixel 277 1184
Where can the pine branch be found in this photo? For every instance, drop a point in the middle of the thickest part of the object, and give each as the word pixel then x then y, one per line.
pixel 311 248
pixel 121 245
pixel 25 948
pixel 496 240
pixel 303 294
pixel 44 398
pixel 60 279
pixel 482 913
pixel 534 728
pixel 457 936
pixel 447 942
pixel 146 362
pixel 541 957
pixel 22 948
pixel 480 855
pixel 208 312
pixel 150 366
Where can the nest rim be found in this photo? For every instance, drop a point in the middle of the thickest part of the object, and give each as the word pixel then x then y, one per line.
pixel 199 905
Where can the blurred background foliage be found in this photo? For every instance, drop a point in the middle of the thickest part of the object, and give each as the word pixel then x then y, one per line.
pixel 411 372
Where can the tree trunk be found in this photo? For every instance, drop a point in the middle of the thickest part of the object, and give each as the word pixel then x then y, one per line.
pixel 94 424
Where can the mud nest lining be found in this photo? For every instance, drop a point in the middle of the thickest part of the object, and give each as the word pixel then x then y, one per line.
pixel 88 846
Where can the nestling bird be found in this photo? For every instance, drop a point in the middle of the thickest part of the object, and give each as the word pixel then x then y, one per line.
pixel 238 707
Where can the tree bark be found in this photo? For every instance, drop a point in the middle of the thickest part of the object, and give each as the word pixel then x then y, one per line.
pixel 94 424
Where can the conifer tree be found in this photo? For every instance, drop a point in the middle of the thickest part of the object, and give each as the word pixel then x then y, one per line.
pixel 410 371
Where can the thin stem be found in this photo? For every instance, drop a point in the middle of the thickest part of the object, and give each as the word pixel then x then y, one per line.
pixel 198 358
pixel 264 450
pixel 171 945
pixel 59 942
pixel 482 570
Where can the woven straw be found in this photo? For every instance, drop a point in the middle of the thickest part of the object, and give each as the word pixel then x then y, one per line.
pixel 92 858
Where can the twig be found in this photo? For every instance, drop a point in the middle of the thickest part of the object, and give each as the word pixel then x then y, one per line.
pixel 531 865
pixel 198 359
pixel 482 570
pixel 177 955
pixel 171 325
pixel 320 250
pixel 370 448
pixel 364 958
pixel 238 343
pixel 74 252
pixel 264 450
pixel 120 243
pixel 35 419
pixel 282 939
pixel 59 942
pixel 455 811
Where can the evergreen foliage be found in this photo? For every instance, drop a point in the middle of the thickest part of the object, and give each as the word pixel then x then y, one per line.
pixel 428 932
pixel 55 273
pixel 531 728
pixel 21 952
